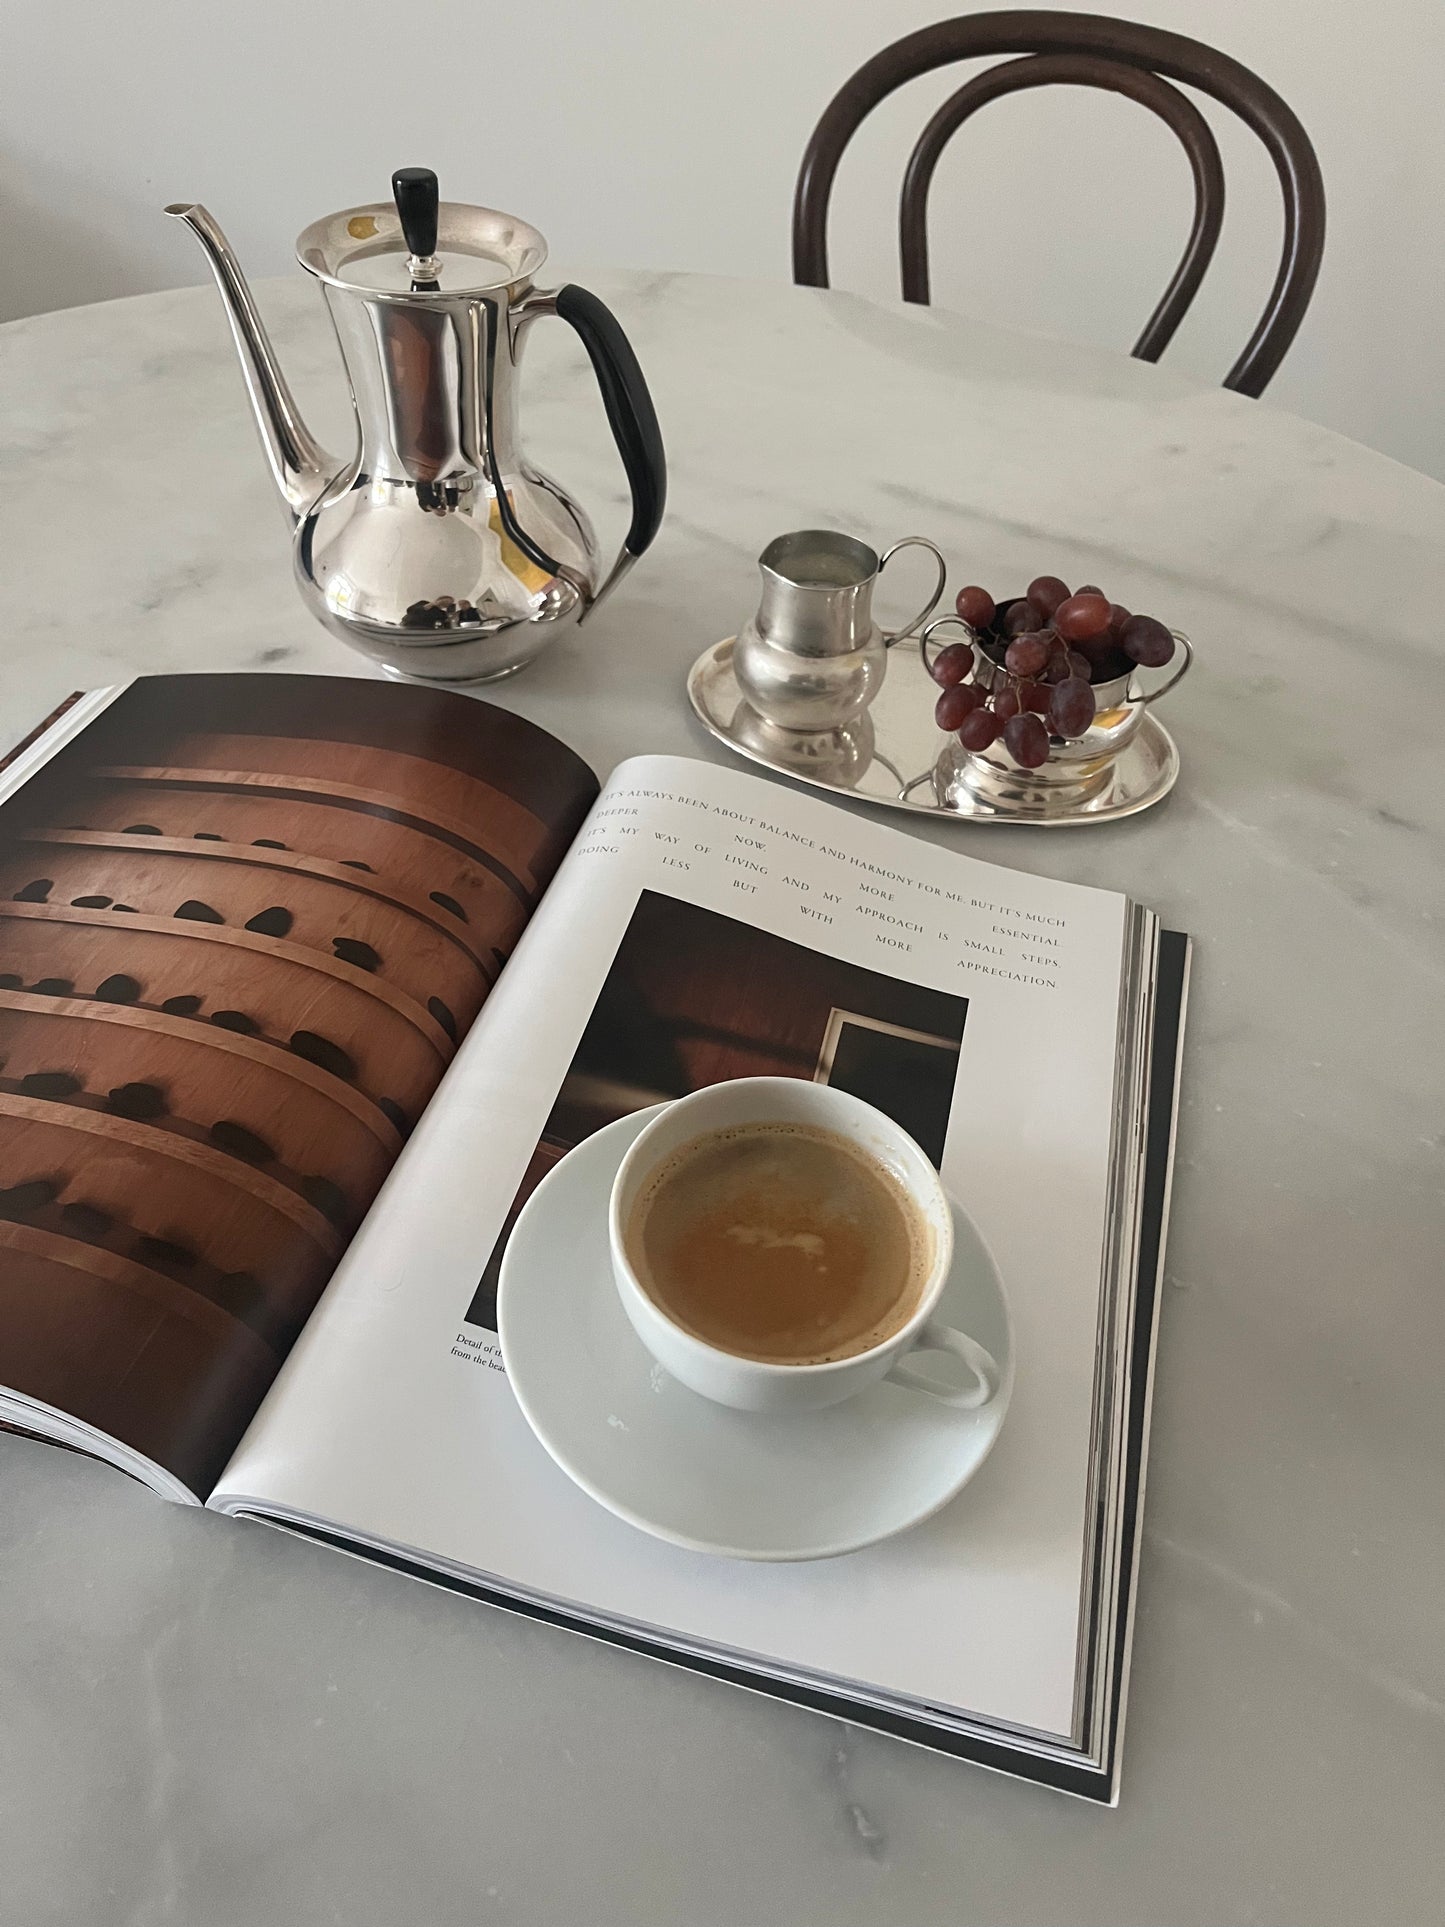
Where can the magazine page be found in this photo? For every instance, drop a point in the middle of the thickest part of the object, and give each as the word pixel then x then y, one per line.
pixel 709 924
pixel 245 922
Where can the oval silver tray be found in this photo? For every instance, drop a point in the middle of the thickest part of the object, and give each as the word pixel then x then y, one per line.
pixel 896 756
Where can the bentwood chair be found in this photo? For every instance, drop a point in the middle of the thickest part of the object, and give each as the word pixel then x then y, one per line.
pixel 1085 50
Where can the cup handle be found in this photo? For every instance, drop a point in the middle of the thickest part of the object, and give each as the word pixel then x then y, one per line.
pixel 916 542
pixel 1187 646
pixel 938 1337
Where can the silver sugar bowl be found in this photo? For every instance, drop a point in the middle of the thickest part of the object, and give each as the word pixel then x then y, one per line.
pixel 1078 769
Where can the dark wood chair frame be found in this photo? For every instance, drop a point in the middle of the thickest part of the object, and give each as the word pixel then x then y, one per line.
pixel 1088 50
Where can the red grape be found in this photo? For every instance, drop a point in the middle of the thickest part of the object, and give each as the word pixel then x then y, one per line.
pixel 978 730
pixel 1147 642
pixel 1118 616
pixel 956 703
pixel 975 605
pixel 1026 655
pixel 1005 702
pixel 1081 617
pixel 1071 662
pixel 1046 592
pixel 1091 588
pixel 952 664
pixel 1036 697
pixel 1027 741
pixel 1022 617
pixel 1071 709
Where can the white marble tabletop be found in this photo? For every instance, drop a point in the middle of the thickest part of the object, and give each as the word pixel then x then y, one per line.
pixel 208 1722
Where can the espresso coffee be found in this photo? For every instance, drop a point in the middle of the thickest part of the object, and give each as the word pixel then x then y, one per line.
pixel 780 1242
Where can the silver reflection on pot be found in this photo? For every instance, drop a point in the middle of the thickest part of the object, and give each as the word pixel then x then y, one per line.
pixel 435 547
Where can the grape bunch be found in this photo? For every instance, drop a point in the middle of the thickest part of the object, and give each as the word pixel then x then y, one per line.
pixel 1054 646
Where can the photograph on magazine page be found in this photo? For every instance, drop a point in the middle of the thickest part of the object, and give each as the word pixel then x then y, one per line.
pixel 244 923
pixel 694 997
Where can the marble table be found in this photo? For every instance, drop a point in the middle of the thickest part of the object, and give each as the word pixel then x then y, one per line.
pixel 206 1722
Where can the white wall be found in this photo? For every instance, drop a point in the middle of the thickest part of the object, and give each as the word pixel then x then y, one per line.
pixel 667 133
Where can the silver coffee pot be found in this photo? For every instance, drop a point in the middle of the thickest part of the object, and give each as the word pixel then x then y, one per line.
pixel 435 547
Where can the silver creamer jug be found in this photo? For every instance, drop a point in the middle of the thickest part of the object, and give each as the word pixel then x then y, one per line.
pixel 435 547
pixel 813 658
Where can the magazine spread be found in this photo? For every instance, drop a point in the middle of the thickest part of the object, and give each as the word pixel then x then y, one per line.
pixel 356 1098
pixel 244 923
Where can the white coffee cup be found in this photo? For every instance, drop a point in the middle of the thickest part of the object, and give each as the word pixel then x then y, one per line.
pixel 756 1385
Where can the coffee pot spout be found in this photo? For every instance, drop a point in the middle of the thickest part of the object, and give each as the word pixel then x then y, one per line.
pixel 300 467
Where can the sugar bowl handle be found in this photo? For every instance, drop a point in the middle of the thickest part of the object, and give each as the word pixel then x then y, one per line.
pixel 916 542
pixel 970 636
pixel 1153 695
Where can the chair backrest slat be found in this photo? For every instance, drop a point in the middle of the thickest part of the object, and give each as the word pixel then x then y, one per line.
pixel 1076 70
pixel 1089 50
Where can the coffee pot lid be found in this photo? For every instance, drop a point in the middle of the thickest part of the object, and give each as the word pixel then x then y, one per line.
pixel 417 245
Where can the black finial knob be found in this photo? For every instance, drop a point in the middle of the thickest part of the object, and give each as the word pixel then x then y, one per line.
pixel 415 191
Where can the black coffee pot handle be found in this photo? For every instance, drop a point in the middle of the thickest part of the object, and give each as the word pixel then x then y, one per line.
pixel 630 415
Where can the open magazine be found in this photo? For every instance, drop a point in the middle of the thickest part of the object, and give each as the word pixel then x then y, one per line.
pixel 306 983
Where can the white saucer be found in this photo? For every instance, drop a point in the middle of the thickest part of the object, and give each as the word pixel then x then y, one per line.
pixel 698 1474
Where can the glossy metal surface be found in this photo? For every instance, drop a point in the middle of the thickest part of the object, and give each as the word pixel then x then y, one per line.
pixel 813 658
pixel 299 466
pixel 895 755
pixel 1078 770
pixel 435 547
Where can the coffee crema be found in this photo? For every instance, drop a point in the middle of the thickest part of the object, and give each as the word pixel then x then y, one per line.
pixel 780 1242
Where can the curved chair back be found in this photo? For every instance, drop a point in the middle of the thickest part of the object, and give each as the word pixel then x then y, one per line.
pixel 1091 50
